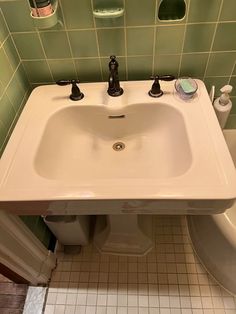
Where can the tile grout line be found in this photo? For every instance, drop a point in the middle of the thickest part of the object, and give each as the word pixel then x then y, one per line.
pixel 8 30
pixel 5 40
pixel 9 131
pixel 213 38
pixel 68 39
pixel 97 42
pixel 19 56
pixel 154 41
pixel 232 73
pixel 13 74
pixel 120 27
pixel 45 56
pixel 164 304
pixel 133 56
pixel 184 36
pixel 126 47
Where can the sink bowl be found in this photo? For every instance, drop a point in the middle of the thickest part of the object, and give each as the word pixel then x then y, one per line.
pixel 78 144
pixel 126 154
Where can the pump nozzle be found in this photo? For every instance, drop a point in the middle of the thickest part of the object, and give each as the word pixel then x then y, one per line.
pixel 224 98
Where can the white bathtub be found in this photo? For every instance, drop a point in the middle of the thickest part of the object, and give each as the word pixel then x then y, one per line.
pixel 214 237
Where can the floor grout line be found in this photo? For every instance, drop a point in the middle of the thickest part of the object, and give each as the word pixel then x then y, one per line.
pixel 169 279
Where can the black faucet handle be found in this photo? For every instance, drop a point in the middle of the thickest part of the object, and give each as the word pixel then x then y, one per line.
pixel 156 89
pixel 75 91
pixel 166 77
pixel 163 77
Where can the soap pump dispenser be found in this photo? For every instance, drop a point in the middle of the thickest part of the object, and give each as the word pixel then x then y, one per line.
pixel 223 105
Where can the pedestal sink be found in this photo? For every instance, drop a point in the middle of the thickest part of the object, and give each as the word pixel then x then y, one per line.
pixel 131 154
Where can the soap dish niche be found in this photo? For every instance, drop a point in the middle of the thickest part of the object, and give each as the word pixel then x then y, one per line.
pixel 48 21
pixel 172 10
pixel 108 13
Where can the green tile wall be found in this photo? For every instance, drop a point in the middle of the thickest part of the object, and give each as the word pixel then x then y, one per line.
pixel 14 90
pixel 40 230
pixel 14 84
pixel 202 45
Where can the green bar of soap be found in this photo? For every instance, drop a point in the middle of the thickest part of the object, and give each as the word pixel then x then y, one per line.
pixel 187 86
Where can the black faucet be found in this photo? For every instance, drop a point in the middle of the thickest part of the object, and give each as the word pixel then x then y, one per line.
pixel 75 91
pixel 156 88
pixel 114 88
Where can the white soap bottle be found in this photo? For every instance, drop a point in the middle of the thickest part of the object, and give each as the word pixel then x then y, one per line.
pixel 223 105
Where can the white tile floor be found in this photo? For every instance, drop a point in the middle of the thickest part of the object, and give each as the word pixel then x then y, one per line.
pixel 169 280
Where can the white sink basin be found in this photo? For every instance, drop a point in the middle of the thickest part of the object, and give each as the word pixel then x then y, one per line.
pixel 61 156
pixel 77 144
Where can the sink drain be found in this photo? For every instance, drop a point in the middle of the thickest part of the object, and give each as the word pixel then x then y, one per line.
pixel 118 146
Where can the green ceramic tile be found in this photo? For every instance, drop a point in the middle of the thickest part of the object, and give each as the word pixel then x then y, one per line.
pixel 169 39
pixel 106 4
pixel 7 113
pixel 31 222
pixel 135 46
pixel 23 218
pixel 233 83
pixel 3 28
pixel 12 53
pixel 56 44
pixel 233 110
pixel 228 11
pixel 62 69
pixel 22 78
pixel 218 82
pixel 15 93
pixel 204 11
pixel 225 37
pixel 231 122
pixel 167 64
pixel 198 37
pixel 111 42
pixel 110 23
pixel 3 146
pixel 3 135
pixel 78 14
pixel 221 64
pixel 37 71
pixel 6 69
pixel 137 72
pixel 39 229
pixel 17 14
pixel 22 104
pixel 28 46
pixel 193 64
pixel 88 70
pixel 83 43
pixel 1 89
pixel 140 13
pixel 121 69
pixel 47 238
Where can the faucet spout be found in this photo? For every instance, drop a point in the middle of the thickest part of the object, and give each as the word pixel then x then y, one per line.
pixel 114 88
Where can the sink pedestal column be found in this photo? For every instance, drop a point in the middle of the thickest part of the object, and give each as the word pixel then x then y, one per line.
pixel 124 234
